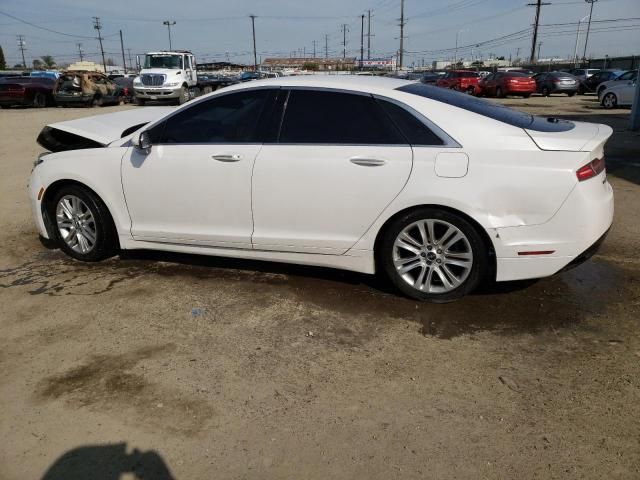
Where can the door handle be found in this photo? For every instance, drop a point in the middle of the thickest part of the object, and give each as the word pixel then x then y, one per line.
pixel 227 157
pixel 368 161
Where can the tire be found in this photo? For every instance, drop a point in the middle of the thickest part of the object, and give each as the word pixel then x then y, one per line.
pixel 571 94
pixel 184 96
pixel 545 91
pixel 526 95
pixel 39 100
pixel 96 101
pixel 610 101
pixel 207 90
pixel 499 93
pixel 426 263
pixel 140 102
pixel 470 91
pixel 93 236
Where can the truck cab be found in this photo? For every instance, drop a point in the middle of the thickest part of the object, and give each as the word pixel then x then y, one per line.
pixel 167 75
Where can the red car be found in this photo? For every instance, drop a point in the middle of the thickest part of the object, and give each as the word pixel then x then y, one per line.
pixel 461 80
pixel 27 91
pixel 501 84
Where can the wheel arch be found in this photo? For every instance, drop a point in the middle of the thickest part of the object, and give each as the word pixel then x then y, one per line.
pixel 54 188
pixel 491 274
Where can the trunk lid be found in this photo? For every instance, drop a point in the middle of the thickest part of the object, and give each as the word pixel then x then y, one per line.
pixel 97 131
pixel 583 137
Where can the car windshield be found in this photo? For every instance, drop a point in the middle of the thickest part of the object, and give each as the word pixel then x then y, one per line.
pixel 467 74
pixel 515 74
pixel 488 109
pixel 158 60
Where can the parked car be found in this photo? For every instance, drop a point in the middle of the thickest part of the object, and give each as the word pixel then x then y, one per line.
pixel 502 84
pixel 461 80
pixel 583 73
pixel 51 74
pixel 591 84
pixel 26 91
pixel 618 95
pixel 359 173
pixel 127 93
pixel 629 76
pixel 430 78
pixel 86 88
pixel 556 82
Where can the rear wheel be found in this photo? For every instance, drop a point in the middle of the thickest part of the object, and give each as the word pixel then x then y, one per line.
pixel 499 92
pixel 571 94
pixel 140 101
pixel 39 100
pixel 83 227
pixel 610 100
pixel 96 101
pixel 545 91
pixel 433 255
pixel 526 95
pixel 470 90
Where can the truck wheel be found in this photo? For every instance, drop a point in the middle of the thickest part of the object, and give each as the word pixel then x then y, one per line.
pixel 96 101
pixel 140 101
pixel 184 96
pixel 39 100
pixel 206 90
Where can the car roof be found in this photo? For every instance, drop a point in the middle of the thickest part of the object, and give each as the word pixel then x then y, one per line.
pixel 347 82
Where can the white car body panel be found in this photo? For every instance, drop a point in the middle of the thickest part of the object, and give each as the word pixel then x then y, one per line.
pixel 312 205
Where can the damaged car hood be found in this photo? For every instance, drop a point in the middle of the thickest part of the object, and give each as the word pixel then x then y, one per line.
pixel 99 130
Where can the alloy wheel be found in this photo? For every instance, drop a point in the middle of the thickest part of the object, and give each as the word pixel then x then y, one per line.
pixel 609 100
pixel 432 256
pixel 76 224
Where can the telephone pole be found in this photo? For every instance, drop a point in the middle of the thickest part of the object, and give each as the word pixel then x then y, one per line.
pixel 326 46
pixel 253 29
pixel 129 55
pixel 124 62
pixel 402 23
pixel 586 40
pixel 22 47
pixel 98 26
pixel 345 29
pixel 538 6
pixel 362 41
pixel 314 49
pixel 369 35
pixel 169 23
pixel 79 45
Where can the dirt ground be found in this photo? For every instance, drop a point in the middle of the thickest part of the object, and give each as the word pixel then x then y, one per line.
pixel 173 366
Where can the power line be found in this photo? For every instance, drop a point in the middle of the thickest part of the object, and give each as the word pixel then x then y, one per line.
pixel 40 27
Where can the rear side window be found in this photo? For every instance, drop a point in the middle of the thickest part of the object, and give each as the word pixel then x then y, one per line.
pixel 488 109
pixel 324 117
pixel 416 132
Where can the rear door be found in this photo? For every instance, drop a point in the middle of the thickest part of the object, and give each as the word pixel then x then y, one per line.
pixel 338 163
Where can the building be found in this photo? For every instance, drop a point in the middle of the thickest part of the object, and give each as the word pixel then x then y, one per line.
pixel 378 63
pixel 308 63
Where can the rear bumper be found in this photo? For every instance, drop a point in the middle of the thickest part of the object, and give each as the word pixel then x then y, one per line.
pixel 520 89
pixel 6 100
pixel 572 235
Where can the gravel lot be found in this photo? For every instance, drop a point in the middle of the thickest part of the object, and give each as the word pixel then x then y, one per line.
pixel 175 366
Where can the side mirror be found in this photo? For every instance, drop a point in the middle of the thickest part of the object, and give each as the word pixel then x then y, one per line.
pixel 142 141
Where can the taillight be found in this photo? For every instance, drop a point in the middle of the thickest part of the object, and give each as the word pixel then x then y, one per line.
pixel 591 169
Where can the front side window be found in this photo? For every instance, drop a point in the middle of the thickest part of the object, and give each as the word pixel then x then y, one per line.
pixel 628 75
pixel 231 118
pixel 326 117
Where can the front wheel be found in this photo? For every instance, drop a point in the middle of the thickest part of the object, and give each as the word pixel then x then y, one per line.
pixel 139 101
pixel 571 94
pixel 499 93
pixel 83 227
pixel 39 100
pixel 184 96
pixel 433 255
pixel 546 92
pixel 609 101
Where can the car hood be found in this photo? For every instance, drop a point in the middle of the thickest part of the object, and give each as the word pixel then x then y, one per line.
pixel 99 130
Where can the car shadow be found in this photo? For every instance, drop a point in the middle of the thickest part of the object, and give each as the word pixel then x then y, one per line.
pixel 108 462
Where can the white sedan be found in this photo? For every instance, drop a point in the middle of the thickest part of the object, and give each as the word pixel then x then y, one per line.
pixel 618 94
pixel 436 189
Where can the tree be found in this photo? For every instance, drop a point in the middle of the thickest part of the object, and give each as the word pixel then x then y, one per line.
pixel 310 66
pixel 38 64
pixel 110 62
pixel 3 63
pixel 47 61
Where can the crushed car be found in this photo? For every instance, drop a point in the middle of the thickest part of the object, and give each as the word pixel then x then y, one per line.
pixel 90 89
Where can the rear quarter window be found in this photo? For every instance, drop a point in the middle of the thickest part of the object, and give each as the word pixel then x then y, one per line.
pixel 488 109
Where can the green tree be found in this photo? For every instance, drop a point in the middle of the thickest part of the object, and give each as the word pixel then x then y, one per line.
pixel 3 63
pixel 47 61
pixel 37 64
pixel 310 66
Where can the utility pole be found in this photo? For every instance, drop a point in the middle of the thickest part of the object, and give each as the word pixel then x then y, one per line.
pixel 79 45
pixel 98 26
pixel 402 22
pixel 326 46
pixel 314 49
pixel 362 41
pixel 22 47
pixel 369 35
pixel 253 29
pixel 168 23
pixel 539 48
pixel 455 55
pixel 124 63
pixel 345 29
pixel 634 119
pixel 586 40
pixel 129 55
pixel 538 6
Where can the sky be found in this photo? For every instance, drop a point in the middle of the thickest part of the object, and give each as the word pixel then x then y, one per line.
pixel 219 30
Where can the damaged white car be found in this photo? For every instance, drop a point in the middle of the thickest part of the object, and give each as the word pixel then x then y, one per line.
pixel 436 189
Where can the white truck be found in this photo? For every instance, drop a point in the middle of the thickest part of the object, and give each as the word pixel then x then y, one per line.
pixel 169 75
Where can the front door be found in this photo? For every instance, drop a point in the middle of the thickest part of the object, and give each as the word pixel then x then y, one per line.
pixel 194 185
pixel 338 163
